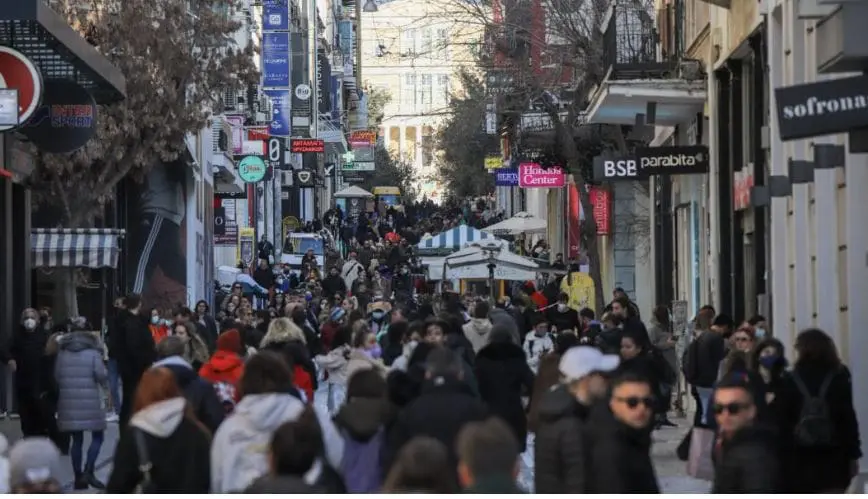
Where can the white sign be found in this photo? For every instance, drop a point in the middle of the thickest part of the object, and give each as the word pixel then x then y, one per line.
pixel 359 166
pixel 303 91
pixel 253 147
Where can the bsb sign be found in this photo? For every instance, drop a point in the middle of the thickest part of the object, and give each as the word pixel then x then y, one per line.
pixel 678 160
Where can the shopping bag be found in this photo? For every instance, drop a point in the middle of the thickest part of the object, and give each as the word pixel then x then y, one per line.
pixel 699 464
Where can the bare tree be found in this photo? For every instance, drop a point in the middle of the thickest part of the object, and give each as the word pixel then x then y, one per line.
pixel 178 56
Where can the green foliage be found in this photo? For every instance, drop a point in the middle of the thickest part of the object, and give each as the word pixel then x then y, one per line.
pixel 464 143
pixel 378 99
pixel 178 57
pixel 390 172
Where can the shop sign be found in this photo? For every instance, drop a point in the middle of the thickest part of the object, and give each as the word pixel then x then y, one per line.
pixel 256 147
pixel 251 169
pixel 506 177
pixel 17 72
pixel 360 166
pixel 600 202
pixel 363 138
pixel 304 178
pixel 257 133
pixel 609 169
pixel 8 107
pixel 677 160
pixel 533 175
pixel 306 145
pixel 493 162
pixel 822 108
pixel 742 184
pixel 65 121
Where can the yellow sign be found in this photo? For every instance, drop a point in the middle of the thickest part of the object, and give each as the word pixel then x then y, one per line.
pixel 246 245
pixel 386 191
pixel 493 162
pixel 290 224
pixel 580 288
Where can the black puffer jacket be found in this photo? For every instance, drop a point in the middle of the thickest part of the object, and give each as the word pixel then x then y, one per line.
pixel 748 463
pixel 620 456
pixel 503 376
pixel 560 448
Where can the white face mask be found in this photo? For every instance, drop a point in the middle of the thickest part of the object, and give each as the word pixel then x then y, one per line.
pixel 562 307
pixel 30 323
pixel 760 333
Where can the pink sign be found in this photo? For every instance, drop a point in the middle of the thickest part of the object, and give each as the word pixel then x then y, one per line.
pixel 533 175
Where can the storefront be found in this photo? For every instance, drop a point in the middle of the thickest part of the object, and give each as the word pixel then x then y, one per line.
pixel 41 38
pixel 742 121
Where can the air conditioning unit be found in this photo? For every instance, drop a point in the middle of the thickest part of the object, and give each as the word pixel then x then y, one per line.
pixel 221 136
pixel 230 99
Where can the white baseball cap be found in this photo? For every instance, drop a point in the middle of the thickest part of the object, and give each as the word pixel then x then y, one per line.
pixel 578 362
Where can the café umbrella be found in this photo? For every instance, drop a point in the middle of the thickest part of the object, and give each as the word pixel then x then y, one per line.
pixel 520 223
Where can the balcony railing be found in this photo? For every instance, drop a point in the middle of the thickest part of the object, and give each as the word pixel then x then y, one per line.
pixel 630 37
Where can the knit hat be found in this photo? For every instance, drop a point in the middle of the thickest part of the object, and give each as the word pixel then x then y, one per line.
pixel 33 460
pixel 229 341
pixel 337 314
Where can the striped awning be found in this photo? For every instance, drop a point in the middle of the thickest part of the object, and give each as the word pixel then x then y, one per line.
pixel 455 238
pixel 91 248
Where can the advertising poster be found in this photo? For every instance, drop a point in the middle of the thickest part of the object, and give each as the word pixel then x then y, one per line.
pixel 156 229
pixel 281 102
pixel 580 288
pixel 275 60
pixel 247 245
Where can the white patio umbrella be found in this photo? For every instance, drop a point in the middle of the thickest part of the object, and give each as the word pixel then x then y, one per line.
pixel 353 192
pixel 521 222
pixel 473 262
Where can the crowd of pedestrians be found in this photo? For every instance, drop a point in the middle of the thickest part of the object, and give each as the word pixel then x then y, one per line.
pixel 424 393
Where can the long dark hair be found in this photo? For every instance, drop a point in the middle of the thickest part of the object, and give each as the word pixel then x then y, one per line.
pixel 661 315
pixel 816 348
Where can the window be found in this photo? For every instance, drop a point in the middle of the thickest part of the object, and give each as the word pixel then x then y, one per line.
pixel 425 49
pixel 408 93
pixel 442 44
pixel 442 89
pixel 425 92
pixel 408 45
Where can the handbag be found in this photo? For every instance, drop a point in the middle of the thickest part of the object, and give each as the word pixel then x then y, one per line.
pixel 146 485
pixel 699 463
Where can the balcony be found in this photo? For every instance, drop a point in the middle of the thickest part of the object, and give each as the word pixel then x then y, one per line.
pixel 637 77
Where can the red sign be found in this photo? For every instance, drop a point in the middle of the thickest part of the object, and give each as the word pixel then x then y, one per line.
pixel 741 187
pixel 363 138
pixel 258 133
pixel 574 228
pixel 18 72
pixel 306 145
pixel 600 202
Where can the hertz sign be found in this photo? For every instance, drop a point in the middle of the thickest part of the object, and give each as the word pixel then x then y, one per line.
pixel 306 145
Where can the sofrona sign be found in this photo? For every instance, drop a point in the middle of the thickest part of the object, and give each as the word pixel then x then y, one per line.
pixel 822 108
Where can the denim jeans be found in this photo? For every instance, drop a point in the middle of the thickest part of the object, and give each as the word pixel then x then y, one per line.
pixel 704 397
pixel 336 395
pixel 96 439
pixel 114 386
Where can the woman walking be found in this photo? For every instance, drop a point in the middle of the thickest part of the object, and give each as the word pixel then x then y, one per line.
pixel 79 371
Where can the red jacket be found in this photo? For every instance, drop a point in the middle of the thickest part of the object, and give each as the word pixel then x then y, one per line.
pixel 224 367
pixel 303 382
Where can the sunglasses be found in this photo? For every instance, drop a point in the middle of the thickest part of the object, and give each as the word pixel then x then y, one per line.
pixel 732 408
pixel 634 402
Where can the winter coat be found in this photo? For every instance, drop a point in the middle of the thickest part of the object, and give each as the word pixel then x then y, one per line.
pixel 503 377
pixel 336 364
pixel 358 360
pixel 135 348
pixel 177 448
pixel 547 378
pixel 287 339
pixel 239 454
pixel 269 484
pixel 439 412
pixel 536 347
pixel 402 362
pixel 500 317
pixel 494 485
pixel 659 337
pixel 748 463
pixel 817 469
pixel 477 333
pixel 620 456
pixel 200 394
pixel 568 320
pixel 79 371
pixel 208 331
pixel 363 422
pixel 223 367
pixel 196 351
pixel 710 349
pixel 560 448
pixel 33 376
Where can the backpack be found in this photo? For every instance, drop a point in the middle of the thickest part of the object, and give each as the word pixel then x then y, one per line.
pixel 226 393
pixel 815 427
pixel 360 464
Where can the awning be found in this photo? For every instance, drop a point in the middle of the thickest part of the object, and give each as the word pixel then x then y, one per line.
pixel 454 238
pixel 332 135
pixel 353 191
pixel 90 248
pixel 34 29
pixel 617 102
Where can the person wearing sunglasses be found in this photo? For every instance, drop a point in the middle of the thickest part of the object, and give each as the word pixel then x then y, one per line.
pixel 746 458
pixel 618 436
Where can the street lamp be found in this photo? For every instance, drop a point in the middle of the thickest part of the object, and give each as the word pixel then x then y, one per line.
pixel 370 6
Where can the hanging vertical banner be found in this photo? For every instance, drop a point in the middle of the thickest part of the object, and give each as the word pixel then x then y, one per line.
pixel 275 15
pixel 275 60
pixel 324 82
pixel 281 100
pixel 599 199
pixel 573 222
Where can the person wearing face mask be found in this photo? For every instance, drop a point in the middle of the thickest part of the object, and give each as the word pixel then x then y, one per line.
pixel 366 353
pixel 158 327
pixel 771 364
pixel 560 448
pixel 538 343
pixel 758 323
pixel 379 322
pixel 33 373
pixel 563 318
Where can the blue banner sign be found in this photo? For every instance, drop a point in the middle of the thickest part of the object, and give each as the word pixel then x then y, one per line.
pixel 506 177
pixel 275 60
pixel 281 100
pixel 275 17
pixel 275 43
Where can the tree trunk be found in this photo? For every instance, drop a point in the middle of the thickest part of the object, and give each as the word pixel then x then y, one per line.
pixel 65 293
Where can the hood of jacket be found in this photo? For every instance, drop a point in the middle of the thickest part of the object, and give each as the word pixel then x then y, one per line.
pixel 501 352
pixel 480 327
pixel 363 417
pixel 78 341
pixel 223 362
pixel 558 403
pixel 162 418
pixel 181 369
pixel 266 411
